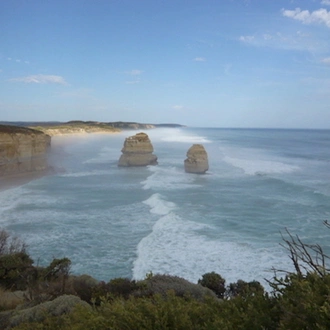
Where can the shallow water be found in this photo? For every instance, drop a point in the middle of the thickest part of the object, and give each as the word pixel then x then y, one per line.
pixel 127 222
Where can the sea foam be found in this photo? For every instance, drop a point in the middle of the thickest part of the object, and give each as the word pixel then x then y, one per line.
pixel 176 135
pixel 253 161
pixel 175 246
pixel 168 178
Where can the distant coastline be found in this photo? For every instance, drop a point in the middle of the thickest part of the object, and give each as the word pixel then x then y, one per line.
pixel 81 127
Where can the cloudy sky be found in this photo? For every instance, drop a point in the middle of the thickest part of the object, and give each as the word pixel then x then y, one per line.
pixel 211 63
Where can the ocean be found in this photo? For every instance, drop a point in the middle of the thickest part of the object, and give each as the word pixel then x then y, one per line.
pixel 126 222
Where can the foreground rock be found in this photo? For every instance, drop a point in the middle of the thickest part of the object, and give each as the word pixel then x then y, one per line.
pixel 197 160
pixel 22 150
pixel 137 151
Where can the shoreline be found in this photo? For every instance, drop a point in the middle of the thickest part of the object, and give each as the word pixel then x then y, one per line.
pixel 55 134
pixel 19 179
pixel 15 180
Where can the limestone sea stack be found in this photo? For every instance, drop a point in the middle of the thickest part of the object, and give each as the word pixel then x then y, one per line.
pixel 137 151
pixel 22 150
pixel 197 160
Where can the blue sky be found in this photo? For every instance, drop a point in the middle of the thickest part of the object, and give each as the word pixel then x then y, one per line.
pixel 210 63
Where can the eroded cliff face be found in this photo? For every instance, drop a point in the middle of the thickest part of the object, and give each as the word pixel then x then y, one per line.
pixel 22 150
pixel 137 151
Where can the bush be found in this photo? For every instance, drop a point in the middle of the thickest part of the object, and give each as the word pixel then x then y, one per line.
pixel 244 289
pixel 170 312
pixel 57 307
pixel 15 264
pixel 161 284
pixel 117 287
pixel 16 271
pixel 123 287
pixel 84 286
pixel 303 296
pixel 10 245
pixel 214 282
pixel 304 302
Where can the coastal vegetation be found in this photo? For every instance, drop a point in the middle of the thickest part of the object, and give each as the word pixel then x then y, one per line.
pixel 49 297
pixel 79 126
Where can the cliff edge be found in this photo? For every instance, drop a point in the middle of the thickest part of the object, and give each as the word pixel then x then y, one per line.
pixel 22 150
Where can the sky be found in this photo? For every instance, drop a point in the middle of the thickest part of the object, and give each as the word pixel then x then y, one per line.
pixel 200 63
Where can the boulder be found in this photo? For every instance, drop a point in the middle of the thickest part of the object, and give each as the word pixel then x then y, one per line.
pixel 197 160
pixel 137 151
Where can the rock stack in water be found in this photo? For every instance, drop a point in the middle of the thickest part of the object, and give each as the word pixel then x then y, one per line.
pixel 137 151
pixel 197 160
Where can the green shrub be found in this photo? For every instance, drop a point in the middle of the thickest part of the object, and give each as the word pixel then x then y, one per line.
pixel 214 282
pixel 16 271
pixel 161 284
pixel 10 244
pixel 170 313
pixel 117 287
pixel 304 302
pixel 59 306
pixel 83 286
pixel 123 287
pixel 58 268
pixel 244 289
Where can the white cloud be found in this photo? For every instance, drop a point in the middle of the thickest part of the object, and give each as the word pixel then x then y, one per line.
pixel 305 16
pixel 326 60
pixel 134 72
pixel 267 36
pixel 199 59
pixel 177 107
pixel 325 2
pixel 247 39
pixel 41 79
pixel 300 40
pixel 17 60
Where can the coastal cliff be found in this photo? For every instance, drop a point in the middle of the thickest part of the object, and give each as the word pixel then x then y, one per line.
pixel 22 150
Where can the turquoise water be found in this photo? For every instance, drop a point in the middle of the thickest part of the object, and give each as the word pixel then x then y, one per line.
pixel 127 222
